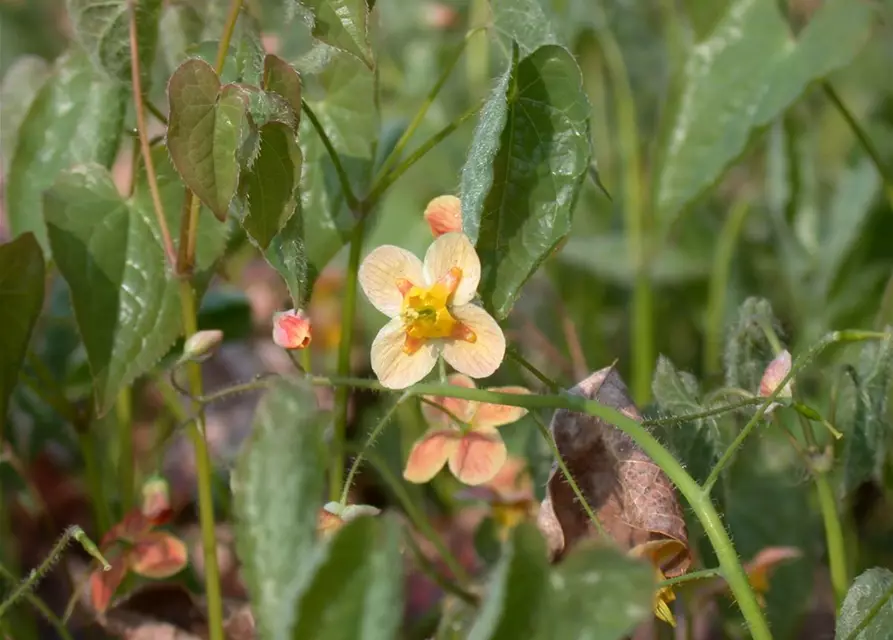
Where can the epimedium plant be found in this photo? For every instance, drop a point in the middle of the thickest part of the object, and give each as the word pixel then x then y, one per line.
pixel 286 151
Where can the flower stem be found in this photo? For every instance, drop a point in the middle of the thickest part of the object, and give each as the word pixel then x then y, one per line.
pixel 385 419
pixel 228 29
pixel 41 607
pixel 123 414
pixel 101 512
pixel 515 355
pixel 833 536
pixel 349 196
pixel 691 576
pixel 203 473
pixel 708 413
pixel 342 394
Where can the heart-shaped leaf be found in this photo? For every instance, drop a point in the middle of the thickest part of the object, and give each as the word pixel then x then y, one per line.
pixel 867 610
pixel 109 250
pixel 21 298
pixel 20 86
pixel 288 255
pixel 739 79
pixel 205 134
pixel 103 28
pixel 356 594
pixel 76 118
pixel 527 22
pixel 277 488
pixel 343 25
pixel 525 167
pixel 269 189
pixel 282 78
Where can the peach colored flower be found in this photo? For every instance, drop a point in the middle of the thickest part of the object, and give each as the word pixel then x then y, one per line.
pixel 431 312
pixel 658 552
pixel 334 515
pixel 444 215
pixel 464 437
pixel 291 329
pixel 773 375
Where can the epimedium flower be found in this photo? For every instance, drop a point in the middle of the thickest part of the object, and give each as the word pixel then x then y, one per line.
pixel 657 552
pixel 291 329
pixel 775 372
pixel 463 436
pixel 134 546
pixel 429 304
pixel 444 215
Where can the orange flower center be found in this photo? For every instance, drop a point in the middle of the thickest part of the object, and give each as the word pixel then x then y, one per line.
pixel 425 312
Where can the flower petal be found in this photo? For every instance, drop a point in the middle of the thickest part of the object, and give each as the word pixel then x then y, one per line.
pixel 395 368
pixel 103 584
pixel 462 409
pixel 430 453
pixel 444 215
pixel 479 457
pixel 497 415
pixel 158 555
pixel 292 329
pixel 454 250
pixel 380 272
pixel 482 357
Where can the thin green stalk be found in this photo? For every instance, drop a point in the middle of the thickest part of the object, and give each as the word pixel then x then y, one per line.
pixel 376 432
pixel 871 614
pixel 124 415
pixel 342 395
pixel 833 536
pixel 404 139
pixel 101 512
pixel 228 29
pixel 708 413
pixel 349 196
pixel 831 338
pixel 885 309
pixel 691 576
pixel 41 607
pixel 155 111
pixel 203 472
pixel 698 500
pixel 382 185
pixel 719 285
pixel 515 355
pixel 547 436
pixel 635 216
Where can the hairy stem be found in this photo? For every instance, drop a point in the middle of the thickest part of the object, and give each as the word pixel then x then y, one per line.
pixel 708 413
pixel 41 607
pixel 691 576
pixel 515 355
pixel 352 202
pixel 833 536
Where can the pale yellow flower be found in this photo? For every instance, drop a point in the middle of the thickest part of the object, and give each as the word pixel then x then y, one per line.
pixel 429 304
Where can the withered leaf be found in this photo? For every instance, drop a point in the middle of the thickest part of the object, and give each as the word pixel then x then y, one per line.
pixel 632 497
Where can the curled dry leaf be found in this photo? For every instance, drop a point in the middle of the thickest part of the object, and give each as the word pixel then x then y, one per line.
pixel 632 497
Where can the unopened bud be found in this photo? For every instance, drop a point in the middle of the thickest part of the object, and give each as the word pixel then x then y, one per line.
pixel 202 345
pixel 291 329
pixel 444 215
pixel 335 515
pixel 156 505
pixel 776 371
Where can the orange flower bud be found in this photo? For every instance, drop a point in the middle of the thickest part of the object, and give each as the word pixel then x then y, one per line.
pixel 202 345
pixel 291 329
pixel 775 372
pixel 444 215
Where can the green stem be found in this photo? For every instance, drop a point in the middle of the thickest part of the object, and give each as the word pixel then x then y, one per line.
pixel 719 285
pixel 203 473
pixel 708 413
pixel 382 185
pixel 833 536
pixel 799 363
pixel 515 355
pixel 871 615
pixel 124 415
pixel 697 499
pixel 41 607
pixel 352 202
pixel 376 432
pixel 547 436
pixel 228 29
pixel 101 512
pixel 691 576
pixel 342 395
pixel 155 111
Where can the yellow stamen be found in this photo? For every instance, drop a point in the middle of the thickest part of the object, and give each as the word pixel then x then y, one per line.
pixel 425 314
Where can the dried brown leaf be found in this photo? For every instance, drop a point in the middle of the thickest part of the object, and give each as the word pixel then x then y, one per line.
pixel 632 497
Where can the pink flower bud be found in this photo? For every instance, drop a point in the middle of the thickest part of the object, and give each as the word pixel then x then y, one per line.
pixel 291 329
pixel 444 215
pixel 201 345
pixel 775 372
pixel 156 505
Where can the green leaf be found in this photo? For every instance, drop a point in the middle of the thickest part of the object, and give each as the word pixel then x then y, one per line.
pixel 282 78
pixel 343 25
pixel 528 22
pixel 20 86
pixel 76 118
pixel 269 189
pixel 870 595
pixel 740 79
pixel 179 30
pixel 206 131
pixel 747 349
pixel 103 28
pixel 288 255
pixel 21 298
pixel 516 589
pixel 865 419
pixel 356 593
pixel 525 167
pixel 596 593
pixel 277 489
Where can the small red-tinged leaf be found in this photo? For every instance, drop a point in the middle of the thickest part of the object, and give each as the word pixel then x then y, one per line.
pixel 765 562
pixel 479 457
pixel 103 584
pixel 497 415
pixel 430 453
pixel 158 555
pixel 131 526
